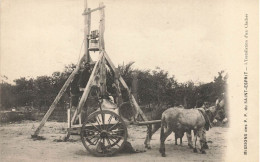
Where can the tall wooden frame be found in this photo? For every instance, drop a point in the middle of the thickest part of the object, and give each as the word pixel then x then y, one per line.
pixel 99 65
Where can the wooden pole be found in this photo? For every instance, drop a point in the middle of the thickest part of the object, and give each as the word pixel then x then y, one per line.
pixel 149 122
pixel 87 89
pixel 55 102
pixel 138 109
pixel 103 87
pixel 101 28
pixel 86 57
pixel 87 25
pixel 118 98
pixel 68 116
pixel 67 136
pixel 94 72
pixel 80 118
pixel 135 85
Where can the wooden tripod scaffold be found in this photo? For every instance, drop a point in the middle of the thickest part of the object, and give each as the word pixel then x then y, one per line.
pixel 99 66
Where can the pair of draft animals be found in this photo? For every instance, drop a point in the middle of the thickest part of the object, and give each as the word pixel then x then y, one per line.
pixel 180 120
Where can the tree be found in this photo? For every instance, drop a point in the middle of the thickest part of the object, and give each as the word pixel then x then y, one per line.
pixel 45 91
pixel 155 87
pixel 24 91
pixel 211 91
pixel 7 96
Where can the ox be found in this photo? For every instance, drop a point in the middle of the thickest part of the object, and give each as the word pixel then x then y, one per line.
pixel 185 120
pixel 151 129
pixel 157 114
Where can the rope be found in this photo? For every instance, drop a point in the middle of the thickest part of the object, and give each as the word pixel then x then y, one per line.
pixel 80 50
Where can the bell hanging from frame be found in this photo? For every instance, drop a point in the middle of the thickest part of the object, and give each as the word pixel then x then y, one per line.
pixel 93 45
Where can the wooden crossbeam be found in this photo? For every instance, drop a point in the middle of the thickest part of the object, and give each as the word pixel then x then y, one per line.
pixel 88 12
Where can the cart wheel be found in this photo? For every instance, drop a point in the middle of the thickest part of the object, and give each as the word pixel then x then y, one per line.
pixel 104 133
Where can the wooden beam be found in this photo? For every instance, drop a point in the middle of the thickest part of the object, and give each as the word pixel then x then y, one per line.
pixel 148 122
pixel 138 109
pixel 102 64
pixel 87 25
pixel 93 10
pixel 74 117
pixel 67 136
pixel 87 89
pixel 55 102
pixel 102 47
pixel 103 86
pixel 68 117
pixel 118 98
pixel 134 86
pixel 101 27
pixel 80 118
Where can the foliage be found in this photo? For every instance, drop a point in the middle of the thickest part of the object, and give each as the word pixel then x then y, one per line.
pixel 155 87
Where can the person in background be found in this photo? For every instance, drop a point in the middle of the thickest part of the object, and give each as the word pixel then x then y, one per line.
pixel 79 83
pixel 85 72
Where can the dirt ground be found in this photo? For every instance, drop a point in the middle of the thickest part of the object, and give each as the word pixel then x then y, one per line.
pixel 16 145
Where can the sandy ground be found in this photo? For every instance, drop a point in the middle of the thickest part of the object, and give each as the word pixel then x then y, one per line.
pixel 16 145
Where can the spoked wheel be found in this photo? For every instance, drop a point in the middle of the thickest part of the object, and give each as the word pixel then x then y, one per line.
pixel 104 133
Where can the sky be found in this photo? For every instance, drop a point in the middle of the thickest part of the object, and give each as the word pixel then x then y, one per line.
pixel 186 39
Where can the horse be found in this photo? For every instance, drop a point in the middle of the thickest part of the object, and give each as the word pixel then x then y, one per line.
pixel 184 120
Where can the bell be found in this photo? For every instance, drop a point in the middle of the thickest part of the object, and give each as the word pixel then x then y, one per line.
pixel 93 45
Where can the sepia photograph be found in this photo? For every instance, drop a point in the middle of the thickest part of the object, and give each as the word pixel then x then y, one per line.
pixel 120 80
